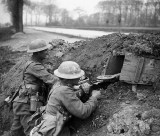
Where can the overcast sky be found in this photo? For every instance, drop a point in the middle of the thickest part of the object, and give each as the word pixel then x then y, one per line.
pixel 4 16
pixel 87 5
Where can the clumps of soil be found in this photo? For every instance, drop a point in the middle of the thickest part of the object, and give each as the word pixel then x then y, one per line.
pixel 7 60
pixel 60 47
pixel 14 77
pixel 144 44
pixel 92 55
pixel 120 112
pixel 6 56
pixel 108 104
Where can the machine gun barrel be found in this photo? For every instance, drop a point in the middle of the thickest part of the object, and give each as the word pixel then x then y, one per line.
pixel 93 86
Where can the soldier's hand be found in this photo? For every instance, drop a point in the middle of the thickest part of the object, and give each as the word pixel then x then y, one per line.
pixel 96 94
pixel 56 79
pixel 76 87
pixel 85 87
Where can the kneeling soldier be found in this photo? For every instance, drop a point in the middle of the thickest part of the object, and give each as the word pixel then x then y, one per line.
pixel 63 102
pixel 31 93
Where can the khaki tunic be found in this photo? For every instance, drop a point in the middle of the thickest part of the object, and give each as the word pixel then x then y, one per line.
pixel 36 74
pixel 65 97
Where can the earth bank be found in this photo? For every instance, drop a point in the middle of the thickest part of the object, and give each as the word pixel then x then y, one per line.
pixel 120 111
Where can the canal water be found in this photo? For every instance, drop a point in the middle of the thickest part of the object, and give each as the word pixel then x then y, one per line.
pixel 74 32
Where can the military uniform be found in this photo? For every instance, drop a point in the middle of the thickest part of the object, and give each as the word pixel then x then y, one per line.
pixel 34 76
pixel 63 99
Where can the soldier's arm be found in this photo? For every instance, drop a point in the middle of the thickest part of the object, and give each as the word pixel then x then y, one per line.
pixel 75 106
pixel 40 72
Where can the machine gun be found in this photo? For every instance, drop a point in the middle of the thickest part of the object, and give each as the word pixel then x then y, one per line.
pixel 101 83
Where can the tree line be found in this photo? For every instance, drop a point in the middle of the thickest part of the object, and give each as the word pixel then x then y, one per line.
pixel 111 13
pixel 130 12
pixel 139 13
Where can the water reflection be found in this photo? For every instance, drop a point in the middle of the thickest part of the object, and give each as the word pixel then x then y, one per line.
pixel 75 32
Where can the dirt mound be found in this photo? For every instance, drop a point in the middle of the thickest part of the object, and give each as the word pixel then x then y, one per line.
pixel 8 58
pixel 119 112
pixel 14 76
pixel 91 55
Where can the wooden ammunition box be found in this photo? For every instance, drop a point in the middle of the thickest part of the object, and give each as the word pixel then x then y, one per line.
pixel 140 70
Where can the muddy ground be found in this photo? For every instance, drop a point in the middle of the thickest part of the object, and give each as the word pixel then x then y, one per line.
pixel 121 111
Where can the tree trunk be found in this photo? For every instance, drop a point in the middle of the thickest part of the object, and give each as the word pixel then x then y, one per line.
pixel 17 15
pixel 20 10
pixel 31 18
pixel 46 19
pixel 155 16
pixel 14 15
pixel 36 20
pixel 146 17
pixel 125 15
pixel 26 18
pixel 50 19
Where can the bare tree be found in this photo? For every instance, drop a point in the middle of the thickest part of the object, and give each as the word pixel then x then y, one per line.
pixel 64 17
pixel 38 11
pixel 32 9
pixel 155 5
pixel 146 13
pixel 49 9
pixel 15 7
pixel 79 11
pixel 108 10
pixel 125 12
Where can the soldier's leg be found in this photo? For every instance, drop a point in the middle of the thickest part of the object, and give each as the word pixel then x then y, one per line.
pixel 24 121
pixel 16 128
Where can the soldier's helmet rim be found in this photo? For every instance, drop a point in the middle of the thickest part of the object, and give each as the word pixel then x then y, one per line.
pixel 37 46
pixel 69 70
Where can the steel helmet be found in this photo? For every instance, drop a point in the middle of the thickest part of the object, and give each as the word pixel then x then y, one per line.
pixel 69 70
pixel 37 45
